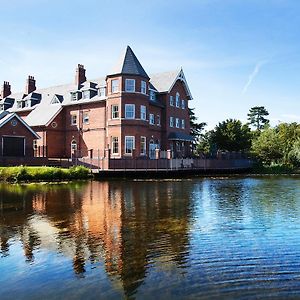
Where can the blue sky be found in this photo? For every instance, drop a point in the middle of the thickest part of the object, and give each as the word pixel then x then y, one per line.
pixel 235 53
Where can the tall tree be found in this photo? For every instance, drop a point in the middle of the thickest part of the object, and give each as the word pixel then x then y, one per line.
pixel 231 135
pixel 196 128
pixel 256 117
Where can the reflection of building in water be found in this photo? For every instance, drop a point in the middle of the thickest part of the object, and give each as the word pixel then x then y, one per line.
pixel 128 225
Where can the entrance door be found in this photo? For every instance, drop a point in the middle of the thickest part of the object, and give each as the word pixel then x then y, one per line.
pixel 13 146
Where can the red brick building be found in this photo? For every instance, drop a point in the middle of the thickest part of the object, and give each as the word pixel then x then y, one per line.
pixel 16 137
pixel 128 112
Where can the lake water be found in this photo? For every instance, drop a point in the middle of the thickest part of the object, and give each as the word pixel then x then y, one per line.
pixel 200 238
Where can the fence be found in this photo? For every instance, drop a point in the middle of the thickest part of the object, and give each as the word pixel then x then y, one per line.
pixel 162 164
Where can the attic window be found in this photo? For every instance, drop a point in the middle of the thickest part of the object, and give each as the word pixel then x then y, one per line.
pixel 101 92
pixel 55 100
pixel 74 96
pixel 86 94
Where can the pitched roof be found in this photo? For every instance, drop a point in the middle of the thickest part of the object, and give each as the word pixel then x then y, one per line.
pixel 129 65
pixel 6 117
pixel 163 81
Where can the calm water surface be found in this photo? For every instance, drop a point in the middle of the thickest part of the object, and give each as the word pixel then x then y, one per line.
pixel 216 238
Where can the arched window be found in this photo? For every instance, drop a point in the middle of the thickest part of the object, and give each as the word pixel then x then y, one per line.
pixel 73 146
pixel 177 100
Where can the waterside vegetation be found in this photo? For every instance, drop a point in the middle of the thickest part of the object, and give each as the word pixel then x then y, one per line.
pixel 23 173
pixel 275 150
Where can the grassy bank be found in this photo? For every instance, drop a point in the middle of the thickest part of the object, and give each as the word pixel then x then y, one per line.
pixel 21 173
pixel 275 169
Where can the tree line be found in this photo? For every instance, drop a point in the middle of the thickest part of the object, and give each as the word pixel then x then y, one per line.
pixel 279 145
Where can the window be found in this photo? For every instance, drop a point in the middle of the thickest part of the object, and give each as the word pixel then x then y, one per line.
pixel 143 112
pixel 115 85
pixel 27 103
pixel 86 94
pixel 129 85
pixel 183 104
pixel 115 145
pixel 19 104
pixel 73 96
pixel 73 119
pixel 152 96
pixel 171 122
pixel 129 144
pixel 158 120
pixel 177 122
pixel 143 145
pixel 177 100
pixel 182 124
pixel 114 111
pixel 73 146
pixel 85 118
pixel 151 119
pixel 101 92
pixel 129 111
pixel 171 101
pixel 143 87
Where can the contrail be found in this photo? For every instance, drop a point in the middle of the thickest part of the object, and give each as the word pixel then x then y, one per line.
pixel 253 75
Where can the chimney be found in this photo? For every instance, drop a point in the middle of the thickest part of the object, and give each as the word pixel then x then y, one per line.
pixel 80 75
pixel 5 90
pixel 30 85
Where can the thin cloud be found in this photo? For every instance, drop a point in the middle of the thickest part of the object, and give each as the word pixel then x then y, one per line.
pixel 253 75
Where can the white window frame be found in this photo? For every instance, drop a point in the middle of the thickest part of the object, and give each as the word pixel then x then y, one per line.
pixel 151 119
pixel 177 123
pixel 182 124
pixel 171 121
pixel 158 120
pixel 131 139
pixel 171 101
pixel 74 96
pixel 73 145
pixel 177 100
pixel 115 113
pixel 152 95
pixel 85 118
pixel 86 94
pixel 129 85
pixel 183 104
pixel 143 112
pixel 143 87
pixel 115 88
pixel 143 146
pixel 115 145
pixel 127 106
pixel 73 119
pixel 102 92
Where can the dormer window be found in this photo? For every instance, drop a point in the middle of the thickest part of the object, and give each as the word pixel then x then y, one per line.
pixel 27 103
pixel 101 92
pixel 152 95
pixel 86 94
pixel 73 96
pixel 130 85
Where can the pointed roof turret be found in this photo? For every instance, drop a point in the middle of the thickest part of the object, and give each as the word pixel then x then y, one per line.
pixel 129 65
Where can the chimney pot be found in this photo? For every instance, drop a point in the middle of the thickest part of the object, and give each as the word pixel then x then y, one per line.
pixel 6 91
pixel 30 85
pixel 80 75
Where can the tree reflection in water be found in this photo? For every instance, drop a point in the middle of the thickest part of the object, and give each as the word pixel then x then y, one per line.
pixel 126 226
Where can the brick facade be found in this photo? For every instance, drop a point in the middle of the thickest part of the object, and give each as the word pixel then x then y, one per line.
pixel 87 125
